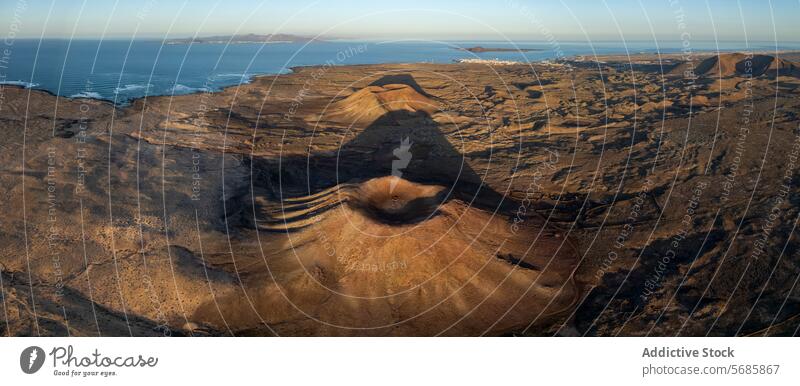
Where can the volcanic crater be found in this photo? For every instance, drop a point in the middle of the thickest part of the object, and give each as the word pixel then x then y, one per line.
pixel 407 199
pixel 396 224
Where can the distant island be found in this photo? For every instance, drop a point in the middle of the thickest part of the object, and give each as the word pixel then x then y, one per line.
pixel 479 49
pixel 242 39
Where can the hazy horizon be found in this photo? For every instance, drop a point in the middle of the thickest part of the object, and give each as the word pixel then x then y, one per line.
pixel 516 20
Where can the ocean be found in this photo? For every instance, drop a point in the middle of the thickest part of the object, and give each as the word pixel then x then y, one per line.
pixel 122 70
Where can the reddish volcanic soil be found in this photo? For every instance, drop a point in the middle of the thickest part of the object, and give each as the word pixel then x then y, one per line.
pixel 411 199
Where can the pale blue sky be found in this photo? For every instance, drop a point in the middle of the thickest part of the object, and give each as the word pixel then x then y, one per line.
pixel 430 19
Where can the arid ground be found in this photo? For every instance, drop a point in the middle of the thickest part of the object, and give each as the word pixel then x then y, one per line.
pixel 621 196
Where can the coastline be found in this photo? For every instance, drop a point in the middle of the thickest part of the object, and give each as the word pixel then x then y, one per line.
pixel 600 59
pixel 217 153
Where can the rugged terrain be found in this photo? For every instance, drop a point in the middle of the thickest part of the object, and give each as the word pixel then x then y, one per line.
pixel 613 197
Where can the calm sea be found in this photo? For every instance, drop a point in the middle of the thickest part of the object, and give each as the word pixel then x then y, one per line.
pixel 119 70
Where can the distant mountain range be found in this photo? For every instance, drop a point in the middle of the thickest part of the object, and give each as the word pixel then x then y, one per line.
pixel 247 38
pixel 480 49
